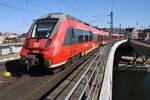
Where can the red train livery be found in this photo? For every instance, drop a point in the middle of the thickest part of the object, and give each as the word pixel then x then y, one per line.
pixel 54 39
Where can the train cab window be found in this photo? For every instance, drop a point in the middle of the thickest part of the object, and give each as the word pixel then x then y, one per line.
pixel 69 37
pixel 43 28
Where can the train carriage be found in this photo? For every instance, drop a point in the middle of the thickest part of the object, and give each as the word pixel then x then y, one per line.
pixel 57 38
pixel 54 39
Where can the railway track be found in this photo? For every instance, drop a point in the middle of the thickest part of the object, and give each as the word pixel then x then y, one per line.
pixel 62 91
pixel 48 86
pixel 144 41
pixel 38 85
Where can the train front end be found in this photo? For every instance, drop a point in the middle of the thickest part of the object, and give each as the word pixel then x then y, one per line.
pixel 37 48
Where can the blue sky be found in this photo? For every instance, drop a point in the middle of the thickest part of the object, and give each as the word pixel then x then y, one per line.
pixel 126 12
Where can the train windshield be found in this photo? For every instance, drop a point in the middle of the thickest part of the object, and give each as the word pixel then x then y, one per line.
pixel 43 28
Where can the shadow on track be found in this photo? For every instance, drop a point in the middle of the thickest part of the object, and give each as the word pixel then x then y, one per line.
pixel 17 69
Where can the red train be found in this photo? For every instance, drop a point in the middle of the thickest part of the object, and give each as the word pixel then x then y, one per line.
pixel 57 38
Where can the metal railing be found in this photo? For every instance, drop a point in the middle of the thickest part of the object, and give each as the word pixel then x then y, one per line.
pixel 10 44
pixel 96 80
pixel 90 79
pixel 9 48
pixel 106 90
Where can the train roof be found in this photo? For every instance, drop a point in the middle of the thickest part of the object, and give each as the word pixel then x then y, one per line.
pixel 53 15
pixel 60 16
pixel 65 16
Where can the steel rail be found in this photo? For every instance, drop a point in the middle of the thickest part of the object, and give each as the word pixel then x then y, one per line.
pixel 98 83
pixel 92 87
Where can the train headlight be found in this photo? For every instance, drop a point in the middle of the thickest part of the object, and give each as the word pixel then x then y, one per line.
pixel 47 43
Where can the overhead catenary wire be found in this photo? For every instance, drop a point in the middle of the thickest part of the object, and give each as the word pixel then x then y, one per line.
pixel 83 11
pixel 112 6
pixel 18 8
pixel 73 8
pixel 98 19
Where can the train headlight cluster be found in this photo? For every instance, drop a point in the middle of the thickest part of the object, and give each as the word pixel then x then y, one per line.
pixel 47 43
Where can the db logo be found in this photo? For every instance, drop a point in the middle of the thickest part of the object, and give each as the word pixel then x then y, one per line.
pixel 36 44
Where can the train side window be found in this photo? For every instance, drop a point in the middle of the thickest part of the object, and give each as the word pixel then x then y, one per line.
pixel 81 39
pixel 94 38
pixel 75 33
pixel 86 36
pixel 100 38
pixel 83 35
pixel 68 37
pixel 103 37
pixel 91 36
pixel 80 36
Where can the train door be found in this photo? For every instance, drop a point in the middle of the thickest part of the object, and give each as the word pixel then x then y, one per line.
pixel 69 42
pixel 73 42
